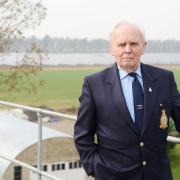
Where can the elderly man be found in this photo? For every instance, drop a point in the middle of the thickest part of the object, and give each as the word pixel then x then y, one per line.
pixel 127 106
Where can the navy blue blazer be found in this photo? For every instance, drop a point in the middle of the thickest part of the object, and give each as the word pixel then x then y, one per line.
pixel 119 152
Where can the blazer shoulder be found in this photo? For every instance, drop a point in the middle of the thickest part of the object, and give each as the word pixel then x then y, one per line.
pixel 101 75
pixel 156 70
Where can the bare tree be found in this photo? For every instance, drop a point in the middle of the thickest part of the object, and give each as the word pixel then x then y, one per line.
pixel 16 16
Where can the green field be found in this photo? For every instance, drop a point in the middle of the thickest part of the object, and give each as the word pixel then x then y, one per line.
pixel 61 92
pixel 175 162
pixel 62 87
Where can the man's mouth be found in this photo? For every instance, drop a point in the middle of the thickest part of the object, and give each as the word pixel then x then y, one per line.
pixel 128 59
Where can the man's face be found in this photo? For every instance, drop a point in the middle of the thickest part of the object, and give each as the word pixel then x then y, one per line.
pixel 127 46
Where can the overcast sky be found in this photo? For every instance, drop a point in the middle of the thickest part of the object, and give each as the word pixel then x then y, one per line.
pixel 95 18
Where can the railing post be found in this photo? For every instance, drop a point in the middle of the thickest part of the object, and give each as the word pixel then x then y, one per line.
pixel 39 155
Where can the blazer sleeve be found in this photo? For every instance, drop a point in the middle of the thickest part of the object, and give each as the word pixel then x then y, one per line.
pixel 84 129
pixel 175 111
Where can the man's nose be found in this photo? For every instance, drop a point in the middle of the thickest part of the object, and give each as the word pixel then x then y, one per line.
pixel 128 48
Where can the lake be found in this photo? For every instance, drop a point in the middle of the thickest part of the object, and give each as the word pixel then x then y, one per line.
pixel 93 59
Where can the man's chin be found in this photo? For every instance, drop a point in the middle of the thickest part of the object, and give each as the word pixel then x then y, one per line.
pixel 129 67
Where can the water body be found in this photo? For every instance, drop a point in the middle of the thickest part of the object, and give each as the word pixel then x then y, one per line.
pixel 93 59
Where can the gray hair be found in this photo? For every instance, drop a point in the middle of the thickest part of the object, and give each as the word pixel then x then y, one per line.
pixel 122 23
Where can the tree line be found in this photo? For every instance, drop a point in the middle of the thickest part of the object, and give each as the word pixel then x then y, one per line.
pixel 68 45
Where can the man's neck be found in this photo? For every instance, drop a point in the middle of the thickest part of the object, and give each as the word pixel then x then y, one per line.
pixel 129 70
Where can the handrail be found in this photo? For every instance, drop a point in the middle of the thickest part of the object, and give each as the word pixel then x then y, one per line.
pixel 173 139
pixel 40 110
pixel 62 115
pixel 45 174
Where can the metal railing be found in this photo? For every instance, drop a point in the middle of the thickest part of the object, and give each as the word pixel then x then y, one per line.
pixel 39 112
pixel 27 166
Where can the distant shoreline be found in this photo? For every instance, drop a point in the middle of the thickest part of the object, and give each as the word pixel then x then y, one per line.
pixel 86 67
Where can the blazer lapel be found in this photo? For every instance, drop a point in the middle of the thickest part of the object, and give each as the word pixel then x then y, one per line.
pixel 115 90
pixel 150 93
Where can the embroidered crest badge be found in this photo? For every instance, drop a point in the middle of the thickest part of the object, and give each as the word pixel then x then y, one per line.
pixel 163 120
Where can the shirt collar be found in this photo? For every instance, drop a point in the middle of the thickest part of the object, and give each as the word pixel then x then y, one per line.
pixel 124 73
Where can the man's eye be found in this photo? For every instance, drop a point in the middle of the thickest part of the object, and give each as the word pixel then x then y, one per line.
pixel 134 44
pixel 122 45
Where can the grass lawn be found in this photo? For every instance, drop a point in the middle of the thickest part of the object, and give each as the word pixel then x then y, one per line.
pixel 175 162
pixel 62 88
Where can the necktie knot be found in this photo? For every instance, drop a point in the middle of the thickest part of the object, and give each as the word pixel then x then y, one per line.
pixel 133 74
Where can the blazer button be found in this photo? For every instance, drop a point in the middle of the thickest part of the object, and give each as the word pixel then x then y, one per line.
pixel 144 163
pixel 141 144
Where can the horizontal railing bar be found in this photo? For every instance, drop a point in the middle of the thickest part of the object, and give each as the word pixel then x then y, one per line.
pixel 173 139
pixel 40 110
pixel 45 174
pixel 169 138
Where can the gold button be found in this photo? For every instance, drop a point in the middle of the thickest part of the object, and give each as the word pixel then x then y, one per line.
pixel 141 144
pixel 144 163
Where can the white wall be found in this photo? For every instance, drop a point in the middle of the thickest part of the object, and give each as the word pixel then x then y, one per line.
pixel 73 173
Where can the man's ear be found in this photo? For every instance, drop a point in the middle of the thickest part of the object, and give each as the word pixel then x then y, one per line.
pixel 144 46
